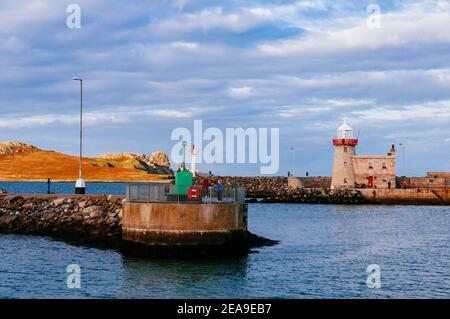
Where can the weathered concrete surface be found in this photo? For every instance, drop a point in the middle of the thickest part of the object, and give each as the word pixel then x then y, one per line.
pixel 412 196
pixel 193 228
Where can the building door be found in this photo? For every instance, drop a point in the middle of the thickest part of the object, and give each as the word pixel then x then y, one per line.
pixel 370 181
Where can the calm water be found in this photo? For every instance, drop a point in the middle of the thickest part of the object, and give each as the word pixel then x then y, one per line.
pixel 324 253
pixel 62 188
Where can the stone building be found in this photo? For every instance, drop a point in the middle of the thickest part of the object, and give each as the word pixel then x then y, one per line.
pixel 351 170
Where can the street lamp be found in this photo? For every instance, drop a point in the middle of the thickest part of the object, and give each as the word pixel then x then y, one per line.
pixel 80 185
pixel 184 154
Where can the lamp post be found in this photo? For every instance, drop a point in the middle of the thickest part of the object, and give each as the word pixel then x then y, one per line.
pixel 184 154
pixel 80 186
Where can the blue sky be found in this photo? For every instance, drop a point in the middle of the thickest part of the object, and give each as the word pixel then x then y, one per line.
pixel 152 66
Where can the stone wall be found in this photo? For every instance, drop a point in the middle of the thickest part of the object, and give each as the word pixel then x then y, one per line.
pixel 439 174
pixel 411 196
pixel 255 186
pixel 317 196
pixel 430 182
pixel 263 186
pixel 84 219
pixel 380 168
pixel 316 181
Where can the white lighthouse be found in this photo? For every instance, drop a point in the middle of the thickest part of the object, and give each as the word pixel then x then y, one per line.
pixel 344 151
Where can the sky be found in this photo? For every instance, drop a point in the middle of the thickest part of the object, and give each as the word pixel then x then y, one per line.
pixel 150 67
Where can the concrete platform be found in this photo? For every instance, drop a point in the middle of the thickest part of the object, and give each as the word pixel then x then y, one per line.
pixel 185 228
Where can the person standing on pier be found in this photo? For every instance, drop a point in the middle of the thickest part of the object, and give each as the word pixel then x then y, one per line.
pixel 219 190
pixel 205 188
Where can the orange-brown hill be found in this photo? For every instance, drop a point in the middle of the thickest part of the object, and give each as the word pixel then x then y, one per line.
pixel 23 162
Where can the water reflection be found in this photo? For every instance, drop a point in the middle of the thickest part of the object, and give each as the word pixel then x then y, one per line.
pixel 187 278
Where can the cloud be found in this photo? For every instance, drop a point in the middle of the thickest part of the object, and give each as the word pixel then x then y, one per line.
pixel 209 19
pixel 241 92
pixel 414 26
pixel 185 45
pixel 297 65
pixel 94 118
pixel 437 111
pixel 320 106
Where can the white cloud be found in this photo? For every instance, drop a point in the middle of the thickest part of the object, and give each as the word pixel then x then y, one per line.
pixel 414 26
pixel 241 92
pixel 185 45
pixel 313 106
pixel 212 18
pixel 95 118
pixel 436 111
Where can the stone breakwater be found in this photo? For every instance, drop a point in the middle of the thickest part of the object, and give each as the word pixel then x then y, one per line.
pixel 255 186
pixel 93 219
pixel 276 190
pixel 317 196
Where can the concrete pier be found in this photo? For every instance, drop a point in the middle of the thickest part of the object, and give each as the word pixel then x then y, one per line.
pixel 185 228
pixel 411 196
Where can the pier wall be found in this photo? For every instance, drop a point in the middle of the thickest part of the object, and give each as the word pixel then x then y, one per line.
pixel 411 196
pixel 80 218
pixel 97 221
pixel 262 186
pixel 186 224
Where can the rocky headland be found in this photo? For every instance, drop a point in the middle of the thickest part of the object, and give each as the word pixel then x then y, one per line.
pixel 23 162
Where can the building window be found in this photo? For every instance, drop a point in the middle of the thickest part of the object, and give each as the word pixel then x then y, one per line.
pixel 384 165
pixel 345 164
pixel 345 149
pixel 370 165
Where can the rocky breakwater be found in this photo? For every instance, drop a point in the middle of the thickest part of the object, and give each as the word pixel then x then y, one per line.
pixel 255 186
pixel 316 196
pixel 88 219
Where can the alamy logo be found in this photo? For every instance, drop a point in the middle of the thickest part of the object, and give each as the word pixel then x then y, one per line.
pixel 374 19
pixel 231 147
pixel 74 19
pixel 74 277
pixel 374 277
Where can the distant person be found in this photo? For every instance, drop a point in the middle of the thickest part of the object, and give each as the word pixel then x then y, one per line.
pixel 48 186
pixel 289 174
pixel 205 187
pixel 210 174
pixel 219 190
pixel 404 184
pixel 307 174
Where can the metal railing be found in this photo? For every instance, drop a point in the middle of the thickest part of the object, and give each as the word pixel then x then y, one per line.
pixel 164 192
